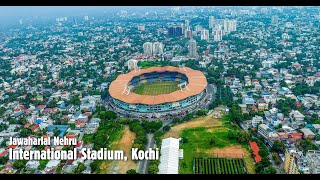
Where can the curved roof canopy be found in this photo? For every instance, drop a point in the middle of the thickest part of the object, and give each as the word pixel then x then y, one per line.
pixel 197 83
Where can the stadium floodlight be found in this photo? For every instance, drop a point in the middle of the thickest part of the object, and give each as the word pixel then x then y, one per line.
pixel 137 68
pixel 183 67
pixel 126 90
pixel 185 86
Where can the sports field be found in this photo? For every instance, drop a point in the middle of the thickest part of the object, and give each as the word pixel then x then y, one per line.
pixel 156 88
pixel 219 166
pixel 207 137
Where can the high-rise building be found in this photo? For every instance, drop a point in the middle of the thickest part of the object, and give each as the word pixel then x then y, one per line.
pixel 175 31
pixel 182 27
pixel 157 48
pixel 74 20
pixel 233 25
pixel 198 28
pixel 217 34
pixel 211 22
pixel 274 20
pixel 86 18
pixel 188 34
pixel 187 24
pixel 141 28
pixel 226 26
pixel 147 48
pixel 229 26
pixel 290 164
pixel 205 34
pixel 192 48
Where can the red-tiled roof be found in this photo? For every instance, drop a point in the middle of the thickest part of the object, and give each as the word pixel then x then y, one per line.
pixel 34 127
pixel 4 153
pixel 41 106
pixel 12 146
pixel 27 125
pixel 255 148
pixel 79 122
pixel 79 144
pixel 70 136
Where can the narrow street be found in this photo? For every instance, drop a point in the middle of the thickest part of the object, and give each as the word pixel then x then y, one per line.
pixel 144 164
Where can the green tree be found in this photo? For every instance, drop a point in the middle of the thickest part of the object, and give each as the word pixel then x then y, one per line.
pixel 81 167
pixel 25 132
pixel 153 167
pixel 243 136
pixel 95 165
pixel 177 120
pixel 19 164
pixel 166 128
pixel 278 147
pixel 212 142
pixel 202 112
pixel 271 170
pixel 4 159
pixel 131 171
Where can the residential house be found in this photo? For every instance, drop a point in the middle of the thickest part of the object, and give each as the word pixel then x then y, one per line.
pixel 264 130
pixel 248 101
pixel 296 118
pixel 307 133
pixel 262 106
pixel 32 164
pixel 256 120
pixel 313 158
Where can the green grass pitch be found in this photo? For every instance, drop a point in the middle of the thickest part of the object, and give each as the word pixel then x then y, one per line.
pixel 156 88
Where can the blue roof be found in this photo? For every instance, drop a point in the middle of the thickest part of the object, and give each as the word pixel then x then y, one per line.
pixel 309 126
pixel 62 128
pixel 38 121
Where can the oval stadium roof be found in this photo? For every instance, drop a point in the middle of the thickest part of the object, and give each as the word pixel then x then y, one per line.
pixel 197 82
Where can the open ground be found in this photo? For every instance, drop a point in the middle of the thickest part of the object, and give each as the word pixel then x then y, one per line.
pixel 156 88
pixel 123 143
pixel 207 137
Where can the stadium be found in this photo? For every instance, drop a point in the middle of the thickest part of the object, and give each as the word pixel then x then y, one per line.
pixel 162 90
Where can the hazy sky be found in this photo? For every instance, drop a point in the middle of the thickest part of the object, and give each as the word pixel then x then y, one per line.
pixel 21 11
pixel 14 13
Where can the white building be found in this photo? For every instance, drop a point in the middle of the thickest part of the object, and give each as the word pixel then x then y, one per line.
pixel 313 158
pixel 169 159
pixel 157 48
pixel 198 28
pixel 147 48
pixel 86 18
pixel 217 35
pixel 187 24
pixel 274 20
pixel 285 36
pixel 132 64
pixel 205 34
pixel 296 118
pixel 211 22
pixel 32 164
pixel 256 120
pixel 266 64
pixel 192 48
pixel 229 26
pixel 264 130
pixel 141 28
